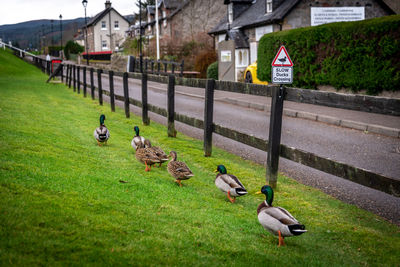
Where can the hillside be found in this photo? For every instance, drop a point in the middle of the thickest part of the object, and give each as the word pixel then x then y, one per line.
pixel 27 34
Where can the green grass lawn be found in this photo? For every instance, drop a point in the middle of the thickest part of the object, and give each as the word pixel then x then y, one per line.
pixel 61 202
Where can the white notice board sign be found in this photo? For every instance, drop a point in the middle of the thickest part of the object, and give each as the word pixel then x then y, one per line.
pixel 282 75
pixel 226 56
pixel 323 15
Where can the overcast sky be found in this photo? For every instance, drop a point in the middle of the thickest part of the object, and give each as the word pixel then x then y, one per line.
pixel 15 11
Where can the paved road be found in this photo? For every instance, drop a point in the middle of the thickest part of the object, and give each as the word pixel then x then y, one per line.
pixel 373 152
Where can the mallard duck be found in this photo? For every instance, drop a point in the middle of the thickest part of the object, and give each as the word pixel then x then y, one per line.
pixel 178 169
pixel 277 220
pixel 137 138
pixel 101 133
pixel 157 150
pixel 229 184
pixel 146 156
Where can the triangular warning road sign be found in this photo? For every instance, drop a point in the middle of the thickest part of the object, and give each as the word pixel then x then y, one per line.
pixel 282 59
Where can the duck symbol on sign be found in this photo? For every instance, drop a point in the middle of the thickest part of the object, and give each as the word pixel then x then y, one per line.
pixel 283 60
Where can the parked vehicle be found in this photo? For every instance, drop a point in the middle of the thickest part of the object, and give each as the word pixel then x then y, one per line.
pixel 250 75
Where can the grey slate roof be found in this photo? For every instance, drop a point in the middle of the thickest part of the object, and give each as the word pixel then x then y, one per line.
pixel 241 40
pixel 255 16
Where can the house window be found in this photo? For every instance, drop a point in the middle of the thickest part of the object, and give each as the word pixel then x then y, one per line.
pixel 230 13
pixel 269 6
pixel 103 25
pixel 164 15
pixel 116 25
pixel 104 45
pixel 221 38
pixel 242 58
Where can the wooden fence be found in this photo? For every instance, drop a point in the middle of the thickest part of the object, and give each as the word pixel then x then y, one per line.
pixel 278 94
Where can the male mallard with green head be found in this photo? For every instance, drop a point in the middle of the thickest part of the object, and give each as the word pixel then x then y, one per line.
pixel 157 150
pixel 229 184
pixel 137 138
pixel 146 156
pixel 277 220
pixel 101 133
pixel 178 169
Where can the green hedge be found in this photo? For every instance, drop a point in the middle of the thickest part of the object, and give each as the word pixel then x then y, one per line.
pixel 362 55
pixel 212 71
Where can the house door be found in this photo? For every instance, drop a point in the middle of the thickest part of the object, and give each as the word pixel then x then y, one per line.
pixel 226 61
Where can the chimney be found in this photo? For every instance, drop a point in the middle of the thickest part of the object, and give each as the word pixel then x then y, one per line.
pixel 108 4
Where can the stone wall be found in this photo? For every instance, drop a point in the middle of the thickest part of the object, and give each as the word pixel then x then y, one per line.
pixel 197 17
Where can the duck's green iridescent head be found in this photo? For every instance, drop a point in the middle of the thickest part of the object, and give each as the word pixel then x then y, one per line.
pixel 221 169
pixel 136 129
pixel 102 119
pixel 269 194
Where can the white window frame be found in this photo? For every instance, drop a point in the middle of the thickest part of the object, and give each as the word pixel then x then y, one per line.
pixel 116 23
pixel 104 45
pixel 242 57
pixel 268 6
pixel 103 25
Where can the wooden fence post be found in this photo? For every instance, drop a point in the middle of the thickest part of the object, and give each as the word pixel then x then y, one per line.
pixel 182 65
pixel 78 74
pixel 111 81
pixel 70 76
pixel 66 74
pixel 145 107
pixel 208 117
pixel 99 71
pixel 62 72
pixel 84 81
pixel 171 106
pixel 126 94
pixel 74 73
pixel 274 140
pixel 91 83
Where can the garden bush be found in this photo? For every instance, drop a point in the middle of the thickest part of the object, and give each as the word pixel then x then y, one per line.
pixel 212 71
pixel 72 48
pixel 362 55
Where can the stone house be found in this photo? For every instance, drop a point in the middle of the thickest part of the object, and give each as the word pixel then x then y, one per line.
pixel 106 30
pixel 246 21
pixel 183 20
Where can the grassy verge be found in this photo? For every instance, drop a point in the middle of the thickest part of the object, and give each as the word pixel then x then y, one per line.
pixel 61 201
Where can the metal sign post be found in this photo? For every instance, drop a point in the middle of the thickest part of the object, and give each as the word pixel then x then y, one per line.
pixel 282 73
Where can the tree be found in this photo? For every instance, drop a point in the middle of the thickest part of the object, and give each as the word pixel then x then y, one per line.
pixel 145 3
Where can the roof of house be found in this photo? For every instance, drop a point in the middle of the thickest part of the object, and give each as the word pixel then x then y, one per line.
pixel 241 40
pixel 170 4
pixel 100 15
pixel 255 15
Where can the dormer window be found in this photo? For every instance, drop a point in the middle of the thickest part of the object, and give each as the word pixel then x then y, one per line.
pixel 230 13
pixel 269 6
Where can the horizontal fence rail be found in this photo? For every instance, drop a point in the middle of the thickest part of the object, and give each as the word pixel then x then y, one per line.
pixel 352 102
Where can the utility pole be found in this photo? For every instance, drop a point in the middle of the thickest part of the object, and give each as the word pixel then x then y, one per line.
pixel 140 36
pixel 157 33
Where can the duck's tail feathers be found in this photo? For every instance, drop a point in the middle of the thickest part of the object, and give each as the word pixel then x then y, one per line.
pixel 297 229
pixel 241 191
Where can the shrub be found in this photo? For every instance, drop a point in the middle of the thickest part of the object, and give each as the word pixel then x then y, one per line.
pixel 212 71
pixel 356 55
pixel 72 48
pixel 203 60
